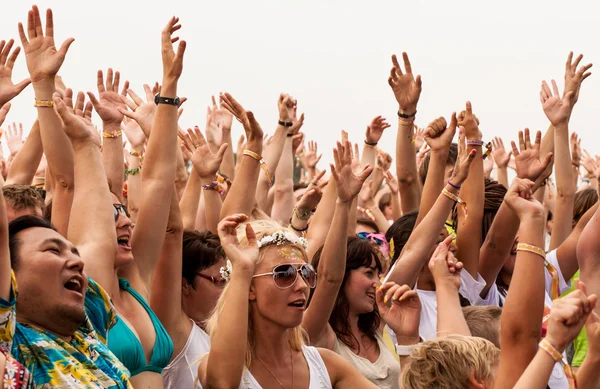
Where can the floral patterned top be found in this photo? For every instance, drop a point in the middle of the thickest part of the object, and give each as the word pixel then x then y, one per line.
pixel 83 363
pixel 16 376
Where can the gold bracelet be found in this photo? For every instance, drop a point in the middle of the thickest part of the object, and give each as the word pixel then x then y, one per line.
pixel 456 199
pixel 262 162
pixel 43 104
pixel 115 134
pixel 531 249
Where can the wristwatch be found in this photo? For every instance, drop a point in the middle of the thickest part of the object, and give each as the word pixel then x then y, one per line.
pixel 158 99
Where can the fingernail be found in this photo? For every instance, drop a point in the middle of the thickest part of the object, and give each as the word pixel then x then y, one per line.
pixel 385 300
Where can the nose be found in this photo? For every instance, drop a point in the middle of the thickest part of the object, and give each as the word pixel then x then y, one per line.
pixel 300 285
pixel 74 262
pixel 123 221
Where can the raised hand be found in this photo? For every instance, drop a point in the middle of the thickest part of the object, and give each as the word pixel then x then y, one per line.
pixel 527 161
pixel 391 182
pixel 78 121
pixel 519 198
pixel 206 164
pixel 297 140
pixel 14 138
pixel 348 184
pixel 241 257
pixel 3 112
pixel 8 90
pixel 557 110
pixel 575 149
pixel 222 117
pixel 423 151
pixel 134 133
pixel 469 123
pixel 443 265
pixel 568 315
pixel 384 161
pixel 406 88
pixel 111 106
pixel 287 107
pixel 501 157
pixel 419 137
pixel 375 129
pixel 463 162
pixel 254 134
pixel 310 199
pixel 588 163
pixel 172 62
pixel 439 135
pixel 400 309
pixel 43 60
pixel 574 77
pixel 214 133
pixel 141 111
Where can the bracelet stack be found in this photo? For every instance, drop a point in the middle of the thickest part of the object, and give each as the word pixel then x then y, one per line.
pixel 115 134
pixel 213 186
pixel 474 142
pixel 262 162
pixel 133 172
pixel 302 215
pixel 557 356
pixel 406 120
pixel 456 199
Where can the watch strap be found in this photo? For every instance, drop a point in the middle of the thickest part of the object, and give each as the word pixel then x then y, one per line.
pixel 404 351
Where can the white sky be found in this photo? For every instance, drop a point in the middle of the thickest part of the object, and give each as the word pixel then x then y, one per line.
pixel 334 57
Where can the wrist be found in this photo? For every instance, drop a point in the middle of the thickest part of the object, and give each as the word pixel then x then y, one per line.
pixel 86 143
pixel 110 127
pixel 344 203
pixel 44 89
pixel 169 87
pixel 560 346
pixel 255 146
pixel 207 180
pixel 406 339
pixel 408 110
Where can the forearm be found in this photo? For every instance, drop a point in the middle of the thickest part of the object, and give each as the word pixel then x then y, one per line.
pixel 538 372
pixel 380 220
pixel 5 268
pixel 25 163
pixel 369 156
pixel 181 176
pixel 189 201
pixel 565 190
pixel 112 158
pixel 228 164
pixel 376 179
pixel 272 156
pixel 201 216
pixel 406 168
pixel 56 144
pixel 134 187
pixel 396 206
pixel 284 185
pixel 434 183
pixel 497 246
pixel 468 238
pixel 212 205
pixel 225 363
pixel 450 318
pixel 352 222
pixel 321 220
pixel 588 376
pixel 418 248
pixel 503 176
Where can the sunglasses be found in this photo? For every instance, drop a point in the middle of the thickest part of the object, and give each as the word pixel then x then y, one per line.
pixel 378 238
pixel 120 209
pixel 219 282
pixel 285 275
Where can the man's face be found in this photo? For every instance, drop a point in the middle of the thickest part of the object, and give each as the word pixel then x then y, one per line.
pixel 12 214
pixel 51 281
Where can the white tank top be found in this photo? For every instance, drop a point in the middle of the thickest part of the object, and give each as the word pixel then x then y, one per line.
pixel 384 372
pixel 182 371
pixel 319 378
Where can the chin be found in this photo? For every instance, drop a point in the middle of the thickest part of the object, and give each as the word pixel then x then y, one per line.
pixel 123 258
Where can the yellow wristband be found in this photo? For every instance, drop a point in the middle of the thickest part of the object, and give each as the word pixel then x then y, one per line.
pixel 43 104
pixel 531 249
pixel 262 162
pixel 115 134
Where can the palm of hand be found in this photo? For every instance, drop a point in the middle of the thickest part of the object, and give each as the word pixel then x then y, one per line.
pixel 107 109
pixel 134 133
pixel 144 115
pixel 42 59
pixel 556 110
pixel 311 159
pixel 529 165
pixel 213 134
pixel 205 163
pixel 469 123
pixel 14 143
pixel 7 89
pixel 309 201
pixel 501 157
pixel 403 317
pixel 78 127
pixel 348 185
pixel 223 117
pixel 407 91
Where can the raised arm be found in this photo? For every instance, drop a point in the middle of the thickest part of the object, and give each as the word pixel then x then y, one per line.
pixel 224 365
pixel 108 110
pixel 97 241
pixel 224 121
pixel 446 273
pixel 439 137
pixel 238 200
pixel 372 137
pixel 588 374
pixel 26 161
pixel 283 202
pixel 159 168
pixel 468 238
pixel 392 183
pixel 522 314
pixel 407 90
pixel 422 240
pixel 332 263
pixel 501 159
pixel 206 164
pixel 43 63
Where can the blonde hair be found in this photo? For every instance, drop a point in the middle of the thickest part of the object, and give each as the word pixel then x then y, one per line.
pixel 484 322
pixel 297 337
pixel 447 363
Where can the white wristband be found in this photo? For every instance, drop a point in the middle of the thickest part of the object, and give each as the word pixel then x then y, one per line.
pixel 404 351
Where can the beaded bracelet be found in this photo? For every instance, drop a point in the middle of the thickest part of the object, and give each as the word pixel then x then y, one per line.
pixel 456 199
pixel 531 249
pixel 213 186
pixel 133 172
pixel 115 134
pixel 43 104
pixel 262 162
pixel 302 215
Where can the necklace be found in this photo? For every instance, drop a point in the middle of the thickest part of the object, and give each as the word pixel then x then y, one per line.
pixel 269 370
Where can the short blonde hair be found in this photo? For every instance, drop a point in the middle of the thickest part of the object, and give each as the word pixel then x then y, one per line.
pixel 484 322
pixel 446 363
pixel 297 337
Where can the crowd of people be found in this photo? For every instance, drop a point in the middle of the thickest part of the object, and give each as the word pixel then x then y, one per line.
pixel 141 255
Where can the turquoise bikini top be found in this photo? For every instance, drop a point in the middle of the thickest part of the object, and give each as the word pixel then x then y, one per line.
pixel 127 347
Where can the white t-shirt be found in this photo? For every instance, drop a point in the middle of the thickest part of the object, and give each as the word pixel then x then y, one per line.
pixel 558 379
pixel 469 289
pixel 182 371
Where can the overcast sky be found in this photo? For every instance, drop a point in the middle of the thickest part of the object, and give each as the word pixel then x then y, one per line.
pixel 334 57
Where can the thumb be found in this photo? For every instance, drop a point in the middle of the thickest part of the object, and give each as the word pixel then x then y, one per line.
pixel 65 46
pixel 23 84
pixel 365 173
pixel 60 105
pixel 548 159
pixel 222 150
pixel 319 158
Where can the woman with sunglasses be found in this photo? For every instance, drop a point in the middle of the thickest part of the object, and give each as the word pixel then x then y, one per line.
pixel 256 338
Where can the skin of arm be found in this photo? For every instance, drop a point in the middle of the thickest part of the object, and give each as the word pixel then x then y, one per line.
pixel 190 201
pixel 283 203
pixel 321 220
pixel 159 172
pixel 588 255
pixel 6 280
pixel 24 165
pixel 134 187
pixel 201 216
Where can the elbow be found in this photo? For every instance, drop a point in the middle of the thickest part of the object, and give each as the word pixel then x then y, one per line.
pixel 406 179
pixel 520 335
pixel 64 183
pixel 331 278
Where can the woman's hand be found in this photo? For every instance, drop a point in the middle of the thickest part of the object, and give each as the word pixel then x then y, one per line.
pixel 110 100
pixel 558 110
pixel 141 111
pixel 77 122
pixel 400 308
pixel 172 62
pixel 375 129
pixel 527 161
pixel 206 164
pixel 519 198
pixel 406 88
pixel 8 90
pixel 501 157
pixel 348 184
pixel 241 257
pixel 463 162
pixel 254 133
pixel 439 135
pixel 443 265
pixel 469 123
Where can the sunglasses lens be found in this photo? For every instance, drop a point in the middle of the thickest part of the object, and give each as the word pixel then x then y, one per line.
pixel 285 275
pixel 362 235
pixel 378 241
pixel 310 275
